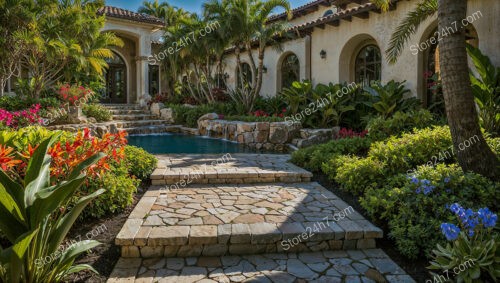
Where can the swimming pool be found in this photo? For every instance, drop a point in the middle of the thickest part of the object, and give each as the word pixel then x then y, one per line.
pixel 179 143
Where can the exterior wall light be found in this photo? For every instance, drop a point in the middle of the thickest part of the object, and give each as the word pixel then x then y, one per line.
pixel 322 54
pixel 226 76
pixel 264 69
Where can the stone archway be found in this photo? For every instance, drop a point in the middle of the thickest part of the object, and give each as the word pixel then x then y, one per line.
pixel 349 53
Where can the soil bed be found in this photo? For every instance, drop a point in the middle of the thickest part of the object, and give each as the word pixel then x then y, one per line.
pixel 104 257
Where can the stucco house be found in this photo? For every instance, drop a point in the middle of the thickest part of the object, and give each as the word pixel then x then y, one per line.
pixel 337 41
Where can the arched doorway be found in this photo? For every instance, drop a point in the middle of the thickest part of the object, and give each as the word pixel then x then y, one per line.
pixel 116 80
pixel 290 70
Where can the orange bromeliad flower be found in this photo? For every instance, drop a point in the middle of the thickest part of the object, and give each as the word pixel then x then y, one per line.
pixel 7 161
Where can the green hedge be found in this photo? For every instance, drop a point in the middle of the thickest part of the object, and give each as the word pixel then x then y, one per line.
pixel 313 157
pixel 380 128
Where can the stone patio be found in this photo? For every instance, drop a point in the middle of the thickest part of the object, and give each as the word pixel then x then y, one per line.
pixel 371 265
pixel 251 218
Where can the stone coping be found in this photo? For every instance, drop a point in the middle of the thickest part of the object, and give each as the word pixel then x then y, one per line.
pixel 227 168
pixel 370 265
pixel 216 220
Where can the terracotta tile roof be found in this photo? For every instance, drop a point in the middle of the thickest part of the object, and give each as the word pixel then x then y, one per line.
pixel 342 14
pixel 299 11
pixel 120 13
pixel 333 19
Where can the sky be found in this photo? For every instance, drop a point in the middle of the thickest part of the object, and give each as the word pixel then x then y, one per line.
pixel 190 5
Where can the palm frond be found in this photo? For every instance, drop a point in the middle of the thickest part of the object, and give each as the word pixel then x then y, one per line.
pixel 408 26
pixel 382 4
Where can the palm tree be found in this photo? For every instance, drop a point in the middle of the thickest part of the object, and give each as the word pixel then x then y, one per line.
pixel 170 14
pixel 459 100
pixel 154 8
pixel 247 22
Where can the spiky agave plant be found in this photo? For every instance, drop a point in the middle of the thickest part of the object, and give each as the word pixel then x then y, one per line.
pixel 32 221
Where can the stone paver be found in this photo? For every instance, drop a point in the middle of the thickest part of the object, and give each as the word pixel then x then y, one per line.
pixel 277 268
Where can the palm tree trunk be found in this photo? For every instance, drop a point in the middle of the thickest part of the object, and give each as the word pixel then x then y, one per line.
pixel 472 151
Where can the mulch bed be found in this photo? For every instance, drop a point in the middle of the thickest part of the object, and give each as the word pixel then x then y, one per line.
pixel 416 268
pixel 104 257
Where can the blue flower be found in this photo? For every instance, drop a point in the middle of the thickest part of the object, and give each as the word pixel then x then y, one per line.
pixel 426 182
pixel 456 208
pixel 415 180
pixel 450 231
pixel 447 180
pixel 488 218
pixel 428 189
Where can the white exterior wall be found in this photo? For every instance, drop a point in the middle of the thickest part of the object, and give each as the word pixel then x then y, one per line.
pixel 342 44
pixel 272 61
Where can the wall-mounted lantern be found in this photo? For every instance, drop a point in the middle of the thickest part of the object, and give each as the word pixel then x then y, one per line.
pixel 322 54
pixel 264 69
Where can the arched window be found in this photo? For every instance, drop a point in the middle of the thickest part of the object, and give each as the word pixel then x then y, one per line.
pixel 290 70
pixel 368 65
pixel 246 75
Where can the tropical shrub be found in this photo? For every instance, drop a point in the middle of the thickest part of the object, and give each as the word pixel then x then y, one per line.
pixel 313 157
pixel 22 118
pixel 321 106
pixel 389 98
pixel 415 205
pixel 74 95
pixel 380 128
pixel 98 112
pixel 474 248
pixel 430 145
pixel 356 175
pixel 486 90
pixel 350 133
pixel 271 105
pixel 139 162
pixel 326 152
pixel 69 150
pixel 120 188
pixel 33 222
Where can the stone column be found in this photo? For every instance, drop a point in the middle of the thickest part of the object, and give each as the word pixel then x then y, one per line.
pixel 142 65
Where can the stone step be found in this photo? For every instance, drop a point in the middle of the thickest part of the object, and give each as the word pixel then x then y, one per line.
pixel 370 265
pixel 231 219
pixel 128 112
pixel 227 169
pixel 134 117
pixel 123 106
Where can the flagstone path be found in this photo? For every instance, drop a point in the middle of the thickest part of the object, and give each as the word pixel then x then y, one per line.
pixel 255 218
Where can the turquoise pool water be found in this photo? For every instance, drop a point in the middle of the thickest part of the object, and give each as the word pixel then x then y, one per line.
pixel 178 143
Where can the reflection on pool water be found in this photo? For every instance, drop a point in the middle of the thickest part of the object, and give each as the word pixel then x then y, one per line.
pixel 179 143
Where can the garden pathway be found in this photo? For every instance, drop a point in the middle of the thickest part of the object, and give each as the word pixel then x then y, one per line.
pixel 246 218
